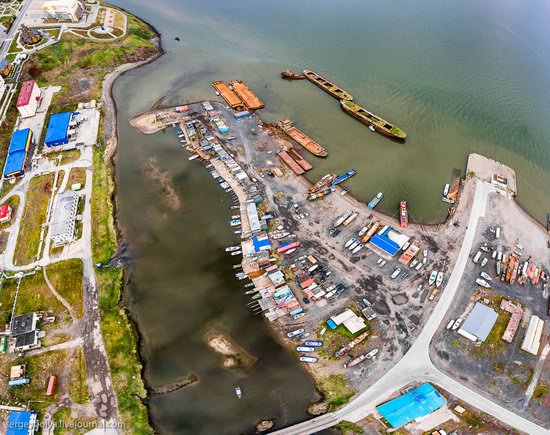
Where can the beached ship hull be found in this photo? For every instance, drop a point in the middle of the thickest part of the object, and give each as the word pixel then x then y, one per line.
pixel 289 75
pixel 379 124
pixel 327 86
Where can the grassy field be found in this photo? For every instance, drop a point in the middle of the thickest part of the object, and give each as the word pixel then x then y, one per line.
pixel 77 175
pixel 104 241
pixel 80 64
pixel 34 295
pixel 66 156
pixel 38 197
pixel 336 391
pixel 120 342
pixel 78 389
pixel 66 277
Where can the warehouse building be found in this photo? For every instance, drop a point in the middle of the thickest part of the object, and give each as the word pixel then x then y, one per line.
pixel 64 10
pixel 531 342
pixel 16 161
pixel 415 404
pixel 387 242
pixel 62 228
pixel 479 323
pixel 29 99
pixel 60 129
pixel 22 423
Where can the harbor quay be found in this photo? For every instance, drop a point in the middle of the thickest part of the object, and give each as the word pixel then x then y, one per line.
pixel 350 290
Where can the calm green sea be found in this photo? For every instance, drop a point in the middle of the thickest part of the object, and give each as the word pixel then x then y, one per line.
pixel 457 76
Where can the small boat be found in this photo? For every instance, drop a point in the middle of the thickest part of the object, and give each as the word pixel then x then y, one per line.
pixel 323 183
pixel 433 277
pixel 439 279
pixel 236 253
pixel 330 294
pixel 341 219
pixel 313 343
pixel 486 276
pixel 350 219
pixel 320 194
pixel 363 231
pixel 193 157
pixel 344 177
pixel 354 245
pixel 236 216
pixel 295 332
pixel 450 324
pixel 305 348
pixel 357 249
pixel 484 261
pixel 419 265
pixel 344 192
pixel 374 202
pixel 457 323
pixel 280 236
pixel 446 190
pixel 304 336
pixel 484 248
pixel 235 222
pixel 289 75
pixel 232 248
pixel 238 392
pixel 498 268
pixel 371 128
pixel 356 361
pixel 350 242
pixel 372 353
pixel 413 263
pixel 308 359
pixel 403 214
pixel 483 283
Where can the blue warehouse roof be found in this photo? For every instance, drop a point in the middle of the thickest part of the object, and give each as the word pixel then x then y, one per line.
pixel 58 128
pixel 21 423
pixel 417 403
pixel 19 140
pixel 17 153
pixel 385 244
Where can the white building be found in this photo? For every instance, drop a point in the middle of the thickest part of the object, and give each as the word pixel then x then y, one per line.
pixel 531 342
pixel 62 228
pixel 64 10
pixel 29 99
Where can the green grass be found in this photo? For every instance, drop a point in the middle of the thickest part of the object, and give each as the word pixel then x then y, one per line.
pixel 120 342
pixel 14 47
pixel 77 176
pixel 7 21
pixel 65 156
pixel 336 391
pixel 34 215
pixel 78 389
pixel 66 278
pixel 540 391
pixel 104 242
pixel 348 427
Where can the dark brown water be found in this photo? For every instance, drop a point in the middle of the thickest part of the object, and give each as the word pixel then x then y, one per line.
pixel 457 76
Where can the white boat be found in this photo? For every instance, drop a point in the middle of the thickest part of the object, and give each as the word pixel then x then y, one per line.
pixel 357 249
pixel 494 254
pixel 349 242
pixel 483 283
pixel 232 248
pixel 371 128
pixel 419 265
pixel 235 222
pixel 439 279
pixel 379 261
pixel 484 261
pixel 372 353
pixel 305 349
pixel 236 253
pixel 238 392
pixel 450 324
pixel 236 216
pixel 295 333
pixel 486 276
pixel 330 294
pixel 344 192
pixel 354 245
pixel 395 273
pixel 425 252
pixel 382 264
pixel 413 263
pixel 405 246
pixel 446 190
pixel 193 157
pixel 363 231
pixel 457 323
pixel 308 359
pixel 433 277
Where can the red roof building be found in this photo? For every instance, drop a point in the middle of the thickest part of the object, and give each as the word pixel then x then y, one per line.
pixel 5 213
pixel 29 99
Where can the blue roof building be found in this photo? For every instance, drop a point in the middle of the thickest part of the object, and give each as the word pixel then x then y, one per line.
pixel 386 245
pixel 58 129
pixel 21 423
pixel 17 153
pixel 416 403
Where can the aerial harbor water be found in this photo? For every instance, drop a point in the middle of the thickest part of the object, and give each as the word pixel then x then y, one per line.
pixel 458 77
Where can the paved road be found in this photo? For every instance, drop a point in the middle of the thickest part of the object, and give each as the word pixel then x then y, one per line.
pixel 416 364
pixel 14 28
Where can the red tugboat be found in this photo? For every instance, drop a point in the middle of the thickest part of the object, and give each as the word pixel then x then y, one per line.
pixel 288 74
pixel 403 214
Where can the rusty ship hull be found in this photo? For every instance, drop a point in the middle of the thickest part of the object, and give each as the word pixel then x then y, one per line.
pixel 327 86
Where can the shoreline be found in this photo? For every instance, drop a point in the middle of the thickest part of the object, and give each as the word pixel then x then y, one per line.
pixel 110 137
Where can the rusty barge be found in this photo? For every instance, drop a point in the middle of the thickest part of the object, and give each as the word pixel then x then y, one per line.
pixel 327 86
pixel 302 139
pixel 370 119
pixel 249 98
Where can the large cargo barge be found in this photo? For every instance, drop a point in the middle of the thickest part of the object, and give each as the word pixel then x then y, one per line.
pixel 327 86
pixel 228 95
pixel 289 161
pixel 302 138
pixel 246 95
pixel 299 159
pixel 379 124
